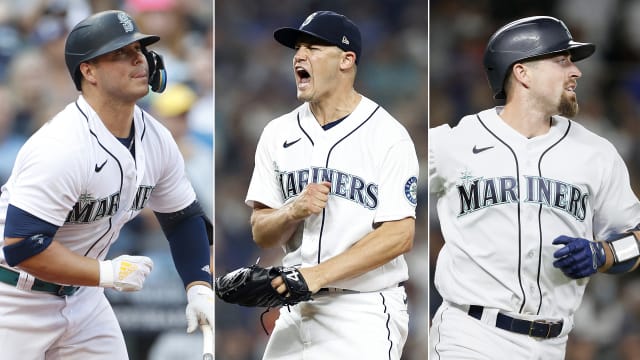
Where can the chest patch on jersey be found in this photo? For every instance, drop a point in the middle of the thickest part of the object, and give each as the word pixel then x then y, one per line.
pixel 411 190
pixel 477 193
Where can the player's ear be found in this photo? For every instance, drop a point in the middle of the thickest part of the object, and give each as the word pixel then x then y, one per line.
pixel 347 60
pixel 521 73
pixel 88 72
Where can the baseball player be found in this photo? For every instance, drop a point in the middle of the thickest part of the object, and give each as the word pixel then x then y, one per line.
pixel 334 185
pixel 519 189
pixel 76 182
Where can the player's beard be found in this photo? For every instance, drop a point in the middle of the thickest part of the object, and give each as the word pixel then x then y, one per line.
pixel 568 106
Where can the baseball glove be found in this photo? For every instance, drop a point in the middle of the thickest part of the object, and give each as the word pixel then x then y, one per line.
pixel 251 286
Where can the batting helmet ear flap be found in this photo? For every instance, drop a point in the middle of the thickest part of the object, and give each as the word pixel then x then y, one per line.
pixel 157 72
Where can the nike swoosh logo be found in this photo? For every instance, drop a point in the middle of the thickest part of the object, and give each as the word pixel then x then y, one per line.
pixel 99 168
pixel 477 150
pixel 287 144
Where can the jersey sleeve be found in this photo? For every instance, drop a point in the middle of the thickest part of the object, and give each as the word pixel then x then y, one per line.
pixel 173 191
pixel 616 207
pixel 47 179
pixel 397 190
pixel 436 181
pixel 264 187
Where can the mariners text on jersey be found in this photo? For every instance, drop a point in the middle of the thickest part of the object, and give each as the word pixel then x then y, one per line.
pixel 344 185
pixel 479 193
pixel 88 209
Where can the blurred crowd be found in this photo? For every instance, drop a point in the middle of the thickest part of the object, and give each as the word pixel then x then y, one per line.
pixel 607 325
pixel 35 85
pixel 255 84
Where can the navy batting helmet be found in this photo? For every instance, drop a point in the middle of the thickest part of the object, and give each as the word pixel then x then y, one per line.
pixel 104 32
pixel 525 39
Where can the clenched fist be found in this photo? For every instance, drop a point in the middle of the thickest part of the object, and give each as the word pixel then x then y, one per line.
pixel 125 273
pixel 311 200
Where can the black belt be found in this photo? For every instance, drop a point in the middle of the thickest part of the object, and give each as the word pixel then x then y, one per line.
pixel 347 291
pixel 536 328
pixel 11 277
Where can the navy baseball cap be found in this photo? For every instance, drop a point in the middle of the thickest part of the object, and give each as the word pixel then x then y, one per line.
pixel 328 26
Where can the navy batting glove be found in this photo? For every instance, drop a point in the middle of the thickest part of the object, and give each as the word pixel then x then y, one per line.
pixel 578 257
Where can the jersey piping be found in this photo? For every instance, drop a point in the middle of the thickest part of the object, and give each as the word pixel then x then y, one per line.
pixel 121 184
pixel 515 158
pixel 302 129
pixel 384 305
pixel 539 266
pixel 327 165
pixel 540 216
pixel 144 126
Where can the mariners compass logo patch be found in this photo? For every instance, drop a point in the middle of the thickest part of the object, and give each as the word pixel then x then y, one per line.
pixel 411 190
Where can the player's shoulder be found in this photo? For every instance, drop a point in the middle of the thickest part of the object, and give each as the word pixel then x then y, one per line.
pixel 66 130
pixel 383 121
pixel 578 133
pixel 439 130
pixel 282 122
pixel 58 145
pixel 468 124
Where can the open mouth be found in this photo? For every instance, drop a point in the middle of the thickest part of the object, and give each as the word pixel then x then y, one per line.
pixel 302 74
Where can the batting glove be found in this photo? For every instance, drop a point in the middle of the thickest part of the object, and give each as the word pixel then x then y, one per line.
pixel 199 307
pixel 125 273
pixel 578 257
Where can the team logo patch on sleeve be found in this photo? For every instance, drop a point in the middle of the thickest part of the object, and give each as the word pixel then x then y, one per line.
pixel 411 190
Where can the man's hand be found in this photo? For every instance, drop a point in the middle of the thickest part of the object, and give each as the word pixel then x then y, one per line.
pixel 125 273
pixel 311 200
pixel 578 257
pixel 309 276
pixel 199 307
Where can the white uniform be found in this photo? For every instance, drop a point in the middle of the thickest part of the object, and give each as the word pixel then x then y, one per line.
pixel 75 174
pixel 502 199
pixel 372 165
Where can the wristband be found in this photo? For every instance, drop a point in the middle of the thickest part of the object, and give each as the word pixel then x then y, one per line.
pixel 106 274
pixel 625 248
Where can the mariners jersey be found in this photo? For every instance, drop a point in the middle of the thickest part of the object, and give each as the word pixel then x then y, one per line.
pixel 371 163
pixel 75 174
pixel 503 198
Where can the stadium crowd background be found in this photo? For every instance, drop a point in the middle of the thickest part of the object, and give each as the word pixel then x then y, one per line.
pixel 255 84
pixel 35 84
pixel 608 321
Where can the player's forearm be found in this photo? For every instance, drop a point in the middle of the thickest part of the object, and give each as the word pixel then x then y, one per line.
pixel 390 240
pixel 272 227
pixel 622 255
pixel 60 265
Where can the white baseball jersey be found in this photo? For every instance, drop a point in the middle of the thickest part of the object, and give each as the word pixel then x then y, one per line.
pixel 503 198
pixel 371 162
pixel 75 174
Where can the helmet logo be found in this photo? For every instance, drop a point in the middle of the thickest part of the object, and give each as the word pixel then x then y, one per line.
pixel 126 22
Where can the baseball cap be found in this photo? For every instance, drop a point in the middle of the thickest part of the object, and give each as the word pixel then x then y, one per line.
pixel 328 26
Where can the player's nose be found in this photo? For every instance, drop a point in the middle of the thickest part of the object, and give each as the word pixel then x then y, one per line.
pixel 300 54
pixel 575 71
